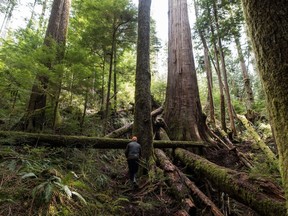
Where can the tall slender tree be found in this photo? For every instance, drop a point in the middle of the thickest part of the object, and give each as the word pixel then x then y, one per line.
pixel 224 71
pixel 268 27
pixel 7 18
pixel 183 111
pixel 142 126
pixel 207 67
pixel 217 68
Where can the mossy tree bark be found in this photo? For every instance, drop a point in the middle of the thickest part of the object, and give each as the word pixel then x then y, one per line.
pixel 268 28
pixel 183 112
pixel 142 126
pixel 49 140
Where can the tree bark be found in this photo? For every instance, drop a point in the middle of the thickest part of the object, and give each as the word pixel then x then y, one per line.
pixel 142 126
pixel 268 28
pixel 183 112
pixel 261 195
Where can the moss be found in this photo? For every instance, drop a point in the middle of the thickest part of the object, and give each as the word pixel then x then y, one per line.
pixel 234 183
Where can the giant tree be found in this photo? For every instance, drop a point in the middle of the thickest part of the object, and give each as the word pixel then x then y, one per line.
pixel 183 111
pixel 55 38
pixel 268 27
pixel 142 126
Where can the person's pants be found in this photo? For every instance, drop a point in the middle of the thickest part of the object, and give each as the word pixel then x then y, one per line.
pixel 133 168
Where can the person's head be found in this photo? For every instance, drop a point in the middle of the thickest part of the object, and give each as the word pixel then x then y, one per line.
pixel 134 138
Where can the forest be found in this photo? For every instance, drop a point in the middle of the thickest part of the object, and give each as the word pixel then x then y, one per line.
pixel 80 78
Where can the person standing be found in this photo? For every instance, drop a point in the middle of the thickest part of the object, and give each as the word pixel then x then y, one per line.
pixel 133 154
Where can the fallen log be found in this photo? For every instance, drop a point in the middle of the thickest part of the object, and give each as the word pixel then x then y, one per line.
pixel 49 140
pixel 120 131
pixel 266 150
pixel 180 190
pixel 178 179
pixel 261 195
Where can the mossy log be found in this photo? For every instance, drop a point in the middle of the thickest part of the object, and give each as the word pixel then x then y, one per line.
pixel 179 189
pixel 261 195
pixel 266 150
pixel 179 180
pixel 49 140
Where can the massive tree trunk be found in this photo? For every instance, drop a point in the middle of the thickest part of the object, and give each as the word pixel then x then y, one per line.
pixel 142 126
pixel 268 27
pixel 56 31
pixel 183 111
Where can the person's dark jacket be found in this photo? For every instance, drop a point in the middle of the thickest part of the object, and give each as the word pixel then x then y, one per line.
pixel 133 150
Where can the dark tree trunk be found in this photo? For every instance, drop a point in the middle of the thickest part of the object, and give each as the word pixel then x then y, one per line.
pixel 142 119
pixel 268 27
pixel 183 111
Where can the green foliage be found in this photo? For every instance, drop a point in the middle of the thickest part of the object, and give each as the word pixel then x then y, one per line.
pixel 158 90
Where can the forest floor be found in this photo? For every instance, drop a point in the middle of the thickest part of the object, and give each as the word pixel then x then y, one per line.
pixel 41 181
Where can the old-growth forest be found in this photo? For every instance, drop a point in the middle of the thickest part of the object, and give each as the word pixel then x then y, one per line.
pixel 79 78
